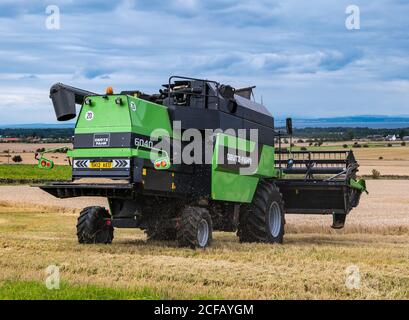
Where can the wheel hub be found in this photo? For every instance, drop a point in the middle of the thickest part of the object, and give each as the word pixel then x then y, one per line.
pixel 274 219
pixel 203 233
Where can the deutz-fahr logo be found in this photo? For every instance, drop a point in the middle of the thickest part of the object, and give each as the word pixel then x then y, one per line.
pixel 241 160
pixel 102 140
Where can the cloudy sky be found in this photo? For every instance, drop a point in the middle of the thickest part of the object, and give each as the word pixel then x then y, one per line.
pixel 302 58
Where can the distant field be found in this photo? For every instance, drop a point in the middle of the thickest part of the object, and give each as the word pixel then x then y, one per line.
pixel 388 161
pixel 27 151
pixel 32 172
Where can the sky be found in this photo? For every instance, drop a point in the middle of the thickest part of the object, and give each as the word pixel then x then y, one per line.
pixel 299 54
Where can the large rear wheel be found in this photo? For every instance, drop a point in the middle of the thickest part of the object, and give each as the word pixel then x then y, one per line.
pixel 94 226
pixel 263 219
pixel 195 228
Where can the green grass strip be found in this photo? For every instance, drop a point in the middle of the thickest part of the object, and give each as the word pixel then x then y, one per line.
pixel 31 290
pixel 32 172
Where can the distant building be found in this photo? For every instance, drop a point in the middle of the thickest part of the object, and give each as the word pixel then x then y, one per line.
pixel 390 137
pixel 405 138
pixel 10 139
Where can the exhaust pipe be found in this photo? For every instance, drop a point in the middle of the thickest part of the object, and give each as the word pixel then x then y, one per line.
pixel 65 98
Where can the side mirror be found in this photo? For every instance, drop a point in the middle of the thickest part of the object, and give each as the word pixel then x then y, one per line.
pixel 289 126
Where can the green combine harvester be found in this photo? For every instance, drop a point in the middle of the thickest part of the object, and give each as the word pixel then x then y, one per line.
pixel 247 183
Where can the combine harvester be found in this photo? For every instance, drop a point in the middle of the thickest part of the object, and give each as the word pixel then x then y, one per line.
pixel 247 185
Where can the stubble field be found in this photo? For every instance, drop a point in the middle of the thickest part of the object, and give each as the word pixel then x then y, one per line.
pixel 37 230
pixel 314 263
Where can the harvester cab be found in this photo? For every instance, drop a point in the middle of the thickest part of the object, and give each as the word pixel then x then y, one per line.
pixel 198 156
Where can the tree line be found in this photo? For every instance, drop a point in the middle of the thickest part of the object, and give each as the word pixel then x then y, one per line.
pixel 344 134
pixel 45 133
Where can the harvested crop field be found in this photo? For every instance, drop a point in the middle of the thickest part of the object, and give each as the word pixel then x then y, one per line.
pixel 388 161
pixel 28 150
pixel 37 231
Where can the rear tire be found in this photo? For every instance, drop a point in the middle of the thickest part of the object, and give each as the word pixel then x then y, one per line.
pixel 263 220
pixel 195 228
pixel 94 226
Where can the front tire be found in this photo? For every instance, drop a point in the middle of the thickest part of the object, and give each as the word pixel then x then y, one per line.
pixel 263 220
pixel 195 228
pixel 94 226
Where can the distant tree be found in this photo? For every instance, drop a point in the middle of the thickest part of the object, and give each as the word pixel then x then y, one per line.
pixel 402 133
pixel 345 146
pixel 17 159
pixel 403 144
pixel 350 135
pixel 375 174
